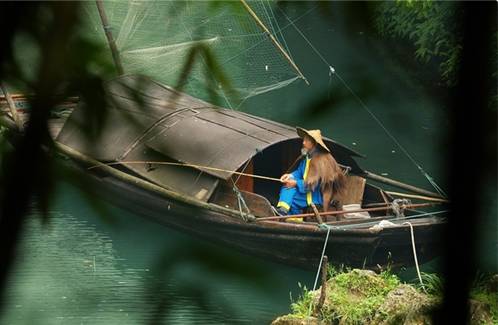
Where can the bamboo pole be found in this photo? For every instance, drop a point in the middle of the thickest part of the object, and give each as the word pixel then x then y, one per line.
pixel 12 106
pixel 16 96
pixel 332 213
pixel 185 165
pixel 110 38
pixel 421 197
pixel 274 40
pixel 398 184
pixel 248 175
pixel 26 96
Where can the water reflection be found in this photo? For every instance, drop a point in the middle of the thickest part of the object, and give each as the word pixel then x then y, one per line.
pixel 80 270
pixel 70 272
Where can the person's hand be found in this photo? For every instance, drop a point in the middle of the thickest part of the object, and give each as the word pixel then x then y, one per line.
pixel 288 180
pixel 290 183
pixel 285 177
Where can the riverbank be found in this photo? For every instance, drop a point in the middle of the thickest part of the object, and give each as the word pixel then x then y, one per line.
pixel 364 297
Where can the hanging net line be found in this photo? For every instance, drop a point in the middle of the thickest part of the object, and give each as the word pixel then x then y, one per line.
pixel 332 72
pixel 154 38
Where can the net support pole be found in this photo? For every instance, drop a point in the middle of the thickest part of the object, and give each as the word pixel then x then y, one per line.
pixel 274 40
pixel 110 38
pixel 399 184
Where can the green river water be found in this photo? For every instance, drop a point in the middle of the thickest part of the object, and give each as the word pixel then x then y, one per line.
pixel 82 269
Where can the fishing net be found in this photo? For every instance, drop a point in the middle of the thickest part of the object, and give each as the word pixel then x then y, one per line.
pixel 155 38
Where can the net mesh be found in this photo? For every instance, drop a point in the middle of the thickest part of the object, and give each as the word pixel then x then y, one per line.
pixel 155 37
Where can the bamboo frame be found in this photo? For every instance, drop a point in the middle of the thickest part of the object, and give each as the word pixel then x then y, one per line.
pixel 332 213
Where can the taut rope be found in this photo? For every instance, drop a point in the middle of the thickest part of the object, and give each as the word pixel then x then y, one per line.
pixel 321 260
pixel 421 197
pixel 186 165
pixel 332 71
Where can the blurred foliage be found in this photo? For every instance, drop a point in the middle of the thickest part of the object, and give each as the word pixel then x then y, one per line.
pixel 213 73
pixel 45 52
pixel 430 26
pixel 65 63
pixel 434 30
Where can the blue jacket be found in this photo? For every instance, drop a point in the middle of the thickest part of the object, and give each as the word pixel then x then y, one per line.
pixel 299 175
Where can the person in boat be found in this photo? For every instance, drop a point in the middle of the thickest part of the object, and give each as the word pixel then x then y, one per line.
pixel 316 179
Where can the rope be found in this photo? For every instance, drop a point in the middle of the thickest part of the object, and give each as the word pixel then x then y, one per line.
pixel 241 203
pixel 373 223
pixel 184 165
pixel 265 39
pixel 269 20
pixel 329 87
pixel 415 253
pixel 278 30
pixel 322 226
pixel 398 206
pixel 243 170
pixel 421 197
pixel 331 72
pixel 240 199
pixel 389 134
pixel 274 40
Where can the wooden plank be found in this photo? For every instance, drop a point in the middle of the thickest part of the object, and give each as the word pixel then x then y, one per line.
pixel 246 183
pixel 225 197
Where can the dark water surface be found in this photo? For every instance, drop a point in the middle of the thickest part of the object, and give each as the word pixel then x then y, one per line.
pixel 82 269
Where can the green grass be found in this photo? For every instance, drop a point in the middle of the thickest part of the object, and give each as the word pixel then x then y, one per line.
pixel 433 284
pixel 481 293
pixel 355 296
pixel 301 307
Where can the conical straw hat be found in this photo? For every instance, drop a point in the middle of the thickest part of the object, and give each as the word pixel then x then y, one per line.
pixel 314 134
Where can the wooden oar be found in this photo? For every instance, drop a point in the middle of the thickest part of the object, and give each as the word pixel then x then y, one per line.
pixel 331 213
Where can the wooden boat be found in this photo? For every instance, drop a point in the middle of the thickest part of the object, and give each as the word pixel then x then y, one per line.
pixel 199 192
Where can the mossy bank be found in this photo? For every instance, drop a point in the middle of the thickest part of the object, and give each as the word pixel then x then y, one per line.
pixel 364 297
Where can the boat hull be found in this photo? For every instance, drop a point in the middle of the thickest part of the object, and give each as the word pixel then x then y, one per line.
pixel 283 242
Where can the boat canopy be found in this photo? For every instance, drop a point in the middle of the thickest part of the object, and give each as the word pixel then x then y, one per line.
pixel 149 122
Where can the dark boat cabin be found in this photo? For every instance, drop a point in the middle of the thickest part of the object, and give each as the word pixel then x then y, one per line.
pixel 149 124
